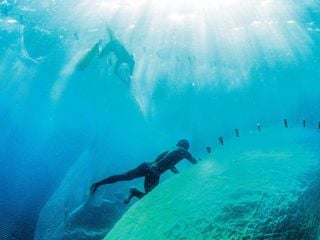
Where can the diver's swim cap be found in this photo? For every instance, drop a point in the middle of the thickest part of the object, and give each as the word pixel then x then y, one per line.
pixel 183 143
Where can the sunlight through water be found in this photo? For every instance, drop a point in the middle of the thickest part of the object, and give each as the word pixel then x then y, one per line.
pixel 90 88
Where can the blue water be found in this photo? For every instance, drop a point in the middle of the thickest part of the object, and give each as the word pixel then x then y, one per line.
pixel 201 70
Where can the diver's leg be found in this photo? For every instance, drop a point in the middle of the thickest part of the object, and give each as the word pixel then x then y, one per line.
pixel 150 182
pixel 110 33
pixel 133 192
pixel 134 173
pixel 87 58
pixel 137 172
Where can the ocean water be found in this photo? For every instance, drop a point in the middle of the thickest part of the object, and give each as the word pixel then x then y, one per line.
pixel 70 116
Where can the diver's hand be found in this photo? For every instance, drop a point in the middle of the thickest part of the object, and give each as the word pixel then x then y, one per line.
pixel 93 188
pixel 174 170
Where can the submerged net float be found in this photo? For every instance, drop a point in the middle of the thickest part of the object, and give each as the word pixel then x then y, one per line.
pixel 237 132
pixel 208 149
pixel 259 127
pixel 221 140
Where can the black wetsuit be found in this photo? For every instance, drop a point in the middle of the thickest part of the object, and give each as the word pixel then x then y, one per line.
pixel 152 170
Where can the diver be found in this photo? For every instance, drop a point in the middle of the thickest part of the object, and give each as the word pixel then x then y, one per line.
pixel 151 171
pixel 122 54
pixel 124 65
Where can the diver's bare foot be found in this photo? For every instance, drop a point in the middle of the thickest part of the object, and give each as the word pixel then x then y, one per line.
pixel 93 188
pixel 131 191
